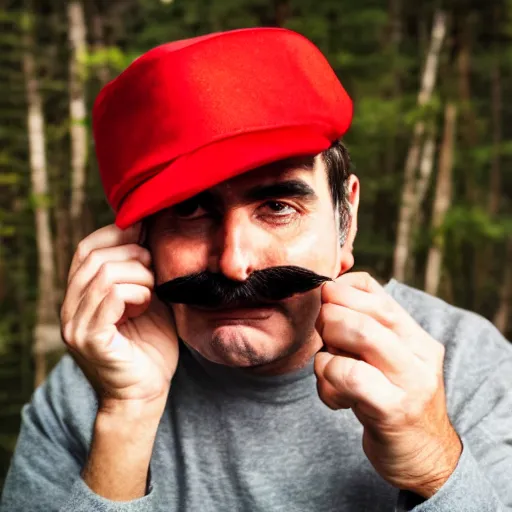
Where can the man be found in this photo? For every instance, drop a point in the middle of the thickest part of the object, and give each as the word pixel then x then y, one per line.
pixel 264 377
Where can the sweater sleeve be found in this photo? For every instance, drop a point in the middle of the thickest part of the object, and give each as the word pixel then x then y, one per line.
pixel 467 489
pixel 56 428
pixel 480 404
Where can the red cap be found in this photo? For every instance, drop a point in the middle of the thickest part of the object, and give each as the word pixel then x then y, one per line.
pixel 190 114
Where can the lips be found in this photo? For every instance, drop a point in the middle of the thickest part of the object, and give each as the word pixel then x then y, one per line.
pixel 237 313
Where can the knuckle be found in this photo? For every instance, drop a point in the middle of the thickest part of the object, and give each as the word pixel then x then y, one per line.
pixel 111 298
pixel 367 279
pixel 105 275
pixel 143 254
pixel 389 311
pixel 151 280
pixel 146 293
pixel 354 377
pixel 67 332
pixel 324 318
pixel 325 394
pixel 363 332
pixel 94 259
pixel 82 250
pixel 79 336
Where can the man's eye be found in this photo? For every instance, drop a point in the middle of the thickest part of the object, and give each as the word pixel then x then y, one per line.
pixel 189 209
pixel 276 207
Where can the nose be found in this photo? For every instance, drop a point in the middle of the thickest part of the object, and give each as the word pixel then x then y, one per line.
pixel 237 246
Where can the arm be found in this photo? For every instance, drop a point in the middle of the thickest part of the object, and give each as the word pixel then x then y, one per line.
pixel 118 463
pixel 482 410
pixel 52 450
pixel 124 341
pixel 393 374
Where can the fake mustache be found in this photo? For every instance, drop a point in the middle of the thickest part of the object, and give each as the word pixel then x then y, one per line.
pixel 214 290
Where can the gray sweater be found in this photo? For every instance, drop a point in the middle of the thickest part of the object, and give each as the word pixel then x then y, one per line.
pixel 229 442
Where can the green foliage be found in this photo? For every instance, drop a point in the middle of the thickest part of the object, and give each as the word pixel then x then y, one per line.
pixel 113 57
pixel 40 201
pixel 427 113
pixel 474 224
pixel 8 178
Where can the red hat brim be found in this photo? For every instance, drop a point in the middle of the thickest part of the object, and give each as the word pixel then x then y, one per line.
pixel 210 165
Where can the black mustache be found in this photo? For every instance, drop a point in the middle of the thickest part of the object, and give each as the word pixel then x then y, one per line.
pixel 213 290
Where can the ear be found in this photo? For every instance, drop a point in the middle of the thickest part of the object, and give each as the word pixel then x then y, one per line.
pixel 346 254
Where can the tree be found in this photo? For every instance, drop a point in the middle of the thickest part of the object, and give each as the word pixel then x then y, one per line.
pixel 442 201
pixel 77 110
pixel 47 328
pixel 409 197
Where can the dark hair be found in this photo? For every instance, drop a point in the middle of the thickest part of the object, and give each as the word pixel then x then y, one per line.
pixel 338 165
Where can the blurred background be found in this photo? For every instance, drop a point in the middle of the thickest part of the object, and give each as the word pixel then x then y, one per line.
pixel 431 143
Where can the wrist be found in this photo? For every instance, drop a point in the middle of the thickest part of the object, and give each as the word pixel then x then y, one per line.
pixel 122 445
pixel 443 464
pixel 133 410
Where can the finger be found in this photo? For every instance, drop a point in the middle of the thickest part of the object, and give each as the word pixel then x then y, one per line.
pixel 381 307
pixel 123 272
pixel 331 397
pixel 122 301
pixel 103 339
pixel 384 309
pixel 361 384
pixel 326 391
pixel 90 267
pixel 321 361
pixel 324 388
pixel 108 236
pixel 158 319
pixel 362 281
pixel 349 331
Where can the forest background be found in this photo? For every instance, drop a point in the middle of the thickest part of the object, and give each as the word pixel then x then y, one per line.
pixel 431 142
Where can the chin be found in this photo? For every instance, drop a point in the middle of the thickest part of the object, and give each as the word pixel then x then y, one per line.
pixel 241 346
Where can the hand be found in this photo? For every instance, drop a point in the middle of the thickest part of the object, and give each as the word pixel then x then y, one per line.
pixel 122 337
pixel 389 371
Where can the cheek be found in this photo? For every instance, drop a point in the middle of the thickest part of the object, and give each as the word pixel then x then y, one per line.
pixel 316 248
pixel 177 257
pixel 303 310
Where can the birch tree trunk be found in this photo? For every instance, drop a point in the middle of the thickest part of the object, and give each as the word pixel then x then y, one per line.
pixel 442 201
pixel 77 110
pixel 502 317
pixel 47 328
pixel 408 200
pixel 426 166
pixel 423 180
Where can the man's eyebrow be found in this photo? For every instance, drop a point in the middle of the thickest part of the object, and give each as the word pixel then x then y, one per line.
pixel 281 189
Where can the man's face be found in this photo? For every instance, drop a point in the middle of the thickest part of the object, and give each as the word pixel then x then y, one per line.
pixel 280 214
